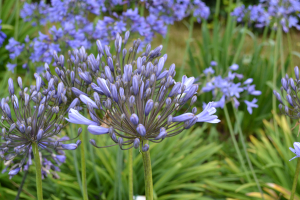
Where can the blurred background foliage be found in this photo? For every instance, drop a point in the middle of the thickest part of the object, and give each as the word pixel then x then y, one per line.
pixel 199 163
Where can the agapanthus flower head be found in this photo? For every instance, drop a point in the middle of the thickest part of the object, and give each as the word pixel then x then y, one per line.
pixel 230 88
pixel 82 71
pixel 36 115
pixel 138 96
pixel 289 99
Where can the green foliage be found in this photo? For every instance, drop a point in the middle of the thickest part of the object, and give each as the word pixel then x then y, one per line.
pixel 181 166
pixel 227 44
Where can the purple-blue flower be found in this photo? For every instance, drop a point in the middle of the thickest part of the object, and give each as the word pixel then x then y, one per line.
pixel 251 104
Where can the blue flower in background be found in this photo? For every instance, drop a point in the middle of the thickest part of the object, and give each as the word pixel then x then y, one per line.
pixel 209 71
pixel 11 67
pixel 2 35
pixel 251 105
pixel 14 47
pixel 270 13
pixel 230 88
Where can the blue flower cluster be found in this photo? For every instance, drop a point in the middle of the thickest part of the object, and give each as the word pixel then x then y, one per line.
pixel 271 13
pixel 35 116
pixel 170 11
pixel 230 88
pixel 78 23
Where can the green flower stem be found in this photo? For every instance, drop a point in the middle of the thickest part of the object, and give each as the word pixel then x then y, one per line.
pixel 148 175
pixel 1 9
pixel 290 48
pixel 166 40
pixel 191 28
pixel 239 49
pixel 274 83
pixel 245 149
pixel 16 32
pixel 130 173
pixel 75 158
pixel 21 185
pixel 280 47
pixel 17 20
pixel 118 175
pixel 39 187
pixel 235 142
pixel 295 179
pixel 83 166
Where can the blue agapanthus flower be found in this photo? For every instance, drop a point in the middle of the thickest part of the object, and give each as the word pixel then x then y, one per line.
pixel 270 13
pixel 35 116
pixel 231 88
pixel 142 101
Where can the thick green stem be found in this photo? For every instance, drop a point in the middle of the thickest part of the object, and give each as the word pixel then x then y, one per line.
pixel 245 150
pixel 16 31
pixel 17 20
pixel 130 173
pixel 148 175
pixel 191 28
pixel 280 47
pixel 83 166
pixel 118 176
pixel 75 158
pixel 166 40
pixel 295 180
pixel 290 48
pixel 235 142
pixel 39 187
pixel 274 83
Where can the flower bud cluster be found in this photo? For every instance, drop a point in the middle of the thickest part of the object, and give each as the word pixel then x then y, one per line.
pixel 35 115
pixel 289 100
pixel 138 96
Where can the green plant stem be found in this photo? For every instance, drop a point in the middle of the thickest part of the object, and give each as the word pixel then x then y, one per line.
pixel 1 9
pixel 92 155
pixel 75 159
pixel 274 83
pixel 166 40
pixel 130 173
pixel 295 179
pixel 17 20
pixel 83 166
pixel 290 48
pixel 280 47
pixel 39 187
pixel 191 28
pixel 16 32
pixel 142 8
pixel 21 185
pixel 118 175
pixel 148 175
pixel 235 142
pixel 245 149
pixel 238 51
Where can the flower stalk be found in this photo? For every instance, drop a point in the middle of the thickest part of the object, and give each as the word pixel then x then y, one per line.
pixel 245 150
pixel 39 187
pixel 148 175
pixel 130 173
pixel 83 168
pixel 295 179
